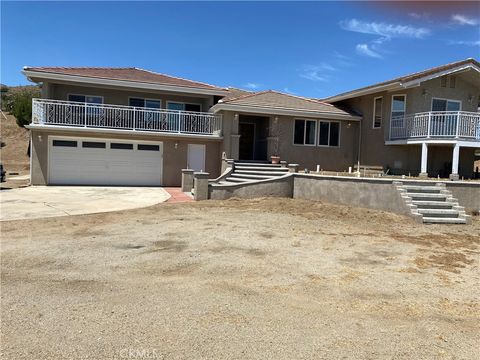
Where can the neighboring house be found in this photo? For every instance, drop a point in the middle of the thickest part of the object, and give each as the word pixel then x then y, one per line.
pixel 127 126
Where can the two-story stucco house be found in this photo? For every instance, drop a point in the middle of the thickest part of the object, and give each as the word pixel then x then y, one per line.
pixel 128 126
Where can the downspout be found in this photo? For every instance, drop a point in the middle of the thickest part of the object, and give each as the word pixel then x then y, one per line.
pixel 359 152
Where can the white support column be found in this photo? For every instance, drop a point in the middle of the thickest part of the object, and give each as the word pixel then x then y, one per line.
pixel 423 171
pixel 455 158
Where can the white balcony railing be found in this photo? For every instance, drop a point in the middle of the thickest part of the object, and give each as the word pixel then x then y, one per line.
pixel 88 115
pixel 436 124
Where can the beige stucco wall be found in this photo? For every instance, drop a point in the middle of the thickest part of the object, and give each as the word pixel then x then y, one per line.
pixel 174 159
pixel 120 96
pixel 329 158
pixel 403 159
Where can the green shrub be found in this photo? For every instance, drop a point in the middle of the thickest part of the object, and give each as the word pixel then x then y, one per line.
pixel 18 102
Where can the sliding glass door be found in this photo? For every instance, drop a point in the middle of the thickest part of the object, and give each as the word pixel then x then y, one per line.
pixel 444 119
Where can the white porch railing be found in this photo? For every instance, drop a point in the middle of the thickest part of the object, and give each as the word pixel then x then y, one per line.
pixel 436 124
pixel 88 115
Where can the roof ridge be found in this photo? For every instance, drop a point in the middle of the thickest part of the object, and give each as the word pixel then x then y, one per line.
pixel 409 77
pixel 124 73
pixel 245 96
pixel 281 93
pixel 303 98
pixel 80 67
pixel 178 77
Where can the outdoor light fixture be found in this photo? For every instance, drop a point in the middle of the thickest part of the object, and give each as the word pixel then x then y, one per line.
pixel 176 145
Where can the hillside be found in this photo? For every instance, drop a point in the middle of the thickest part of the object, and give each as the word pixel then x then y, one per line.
pixel 15 140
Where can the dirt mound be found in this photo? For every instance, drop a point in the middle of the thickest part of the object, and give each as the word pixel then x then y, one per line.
pixel 14 144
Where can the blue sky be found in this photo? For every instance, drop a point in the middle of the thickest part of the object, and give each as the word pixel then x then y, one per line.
pixel 311 49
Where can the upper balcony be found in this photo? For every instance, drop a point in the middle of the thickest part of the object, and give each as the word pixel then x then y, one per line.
pixel 119 117
pixel 444 125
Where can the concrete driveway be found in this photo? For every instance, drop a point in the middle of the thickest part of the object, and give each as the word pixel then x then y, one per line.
pixel 49 201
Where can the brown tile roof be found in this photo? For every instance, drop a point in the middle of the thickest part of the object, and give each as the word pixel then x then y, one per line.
pixel 414 76
pixel 274 99
pixel 128 74
pixel 234 93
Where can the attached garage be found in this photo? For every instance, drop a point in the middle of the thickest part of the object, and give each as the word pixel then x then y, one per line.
pixel 88 161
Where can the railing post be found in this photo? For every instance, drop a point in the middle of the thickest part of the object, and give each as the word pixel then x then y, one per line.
pixel 458 124
pixel 429 124
pixel 390 130
pixel 85 125
pixel 134 125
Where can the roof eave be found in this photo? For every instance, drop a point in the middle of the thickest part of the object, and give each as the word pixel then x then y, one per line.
pixel 401 84
pixel 361 92
pixel 457 69
pixel 265 110
pixel 32 75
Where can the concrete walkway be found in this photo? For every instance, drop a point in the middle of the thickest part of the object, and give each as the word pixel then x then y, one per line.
pixel 177 195
pixel 49 201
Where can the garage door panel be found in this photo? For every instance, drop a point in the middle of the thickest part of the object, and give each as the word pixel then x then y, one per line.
pixel 105 166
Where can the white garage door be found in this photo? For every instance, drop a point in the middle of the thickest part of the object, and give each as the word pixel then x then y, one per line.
pixel 86 161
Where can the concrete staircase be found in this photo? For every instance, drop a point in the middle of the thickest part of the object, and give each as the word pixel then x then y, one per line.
pixel 248 172
pixel 432 203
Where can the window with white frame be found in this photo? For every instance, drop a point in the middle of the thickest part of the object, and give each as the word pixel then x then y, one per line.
pixel 304 132
pixel 399 103
pixel 377 112
pixel 328 133
pixel 92 99
pixel 145 103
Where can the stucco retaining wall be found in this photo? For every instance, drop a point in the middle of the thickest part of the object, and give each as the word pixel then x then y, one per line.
pixel 359 192
pixel 379 194
pixel 279 187
pixel 467 193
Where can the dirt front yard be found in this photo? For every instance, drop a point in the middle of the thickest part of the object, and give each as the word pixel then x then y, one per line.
pixel 239 279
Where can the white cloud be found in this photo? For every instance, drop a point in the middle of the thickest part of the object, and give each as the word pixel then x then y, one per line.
pixel 340 56
pixel 288 91
pixel 364 49
pixel 384 30
pixel 419 16
pixel 464 42
pixel 318 72
pixel 465 20
pixel 252 86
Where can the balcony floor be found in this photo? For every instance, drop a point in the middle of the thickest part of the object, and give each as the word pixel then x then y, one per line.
pixel 115 131
pixel 438 140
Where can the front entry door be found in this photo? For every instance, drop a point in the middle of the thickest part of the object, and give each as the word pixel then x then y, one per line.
pixel 247 141
pixel 196 157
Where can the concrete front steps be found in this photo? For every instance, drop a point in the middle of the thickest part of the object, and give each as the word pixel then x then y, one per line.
pixel 432 203
pixel 248 172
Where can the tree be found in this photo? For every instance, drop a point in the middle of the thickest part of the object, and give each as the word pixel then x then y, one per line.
pixel 18 102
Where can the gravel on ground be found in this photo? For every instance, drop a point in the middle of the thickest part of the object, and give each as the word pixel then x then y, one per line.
pixel 239 279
